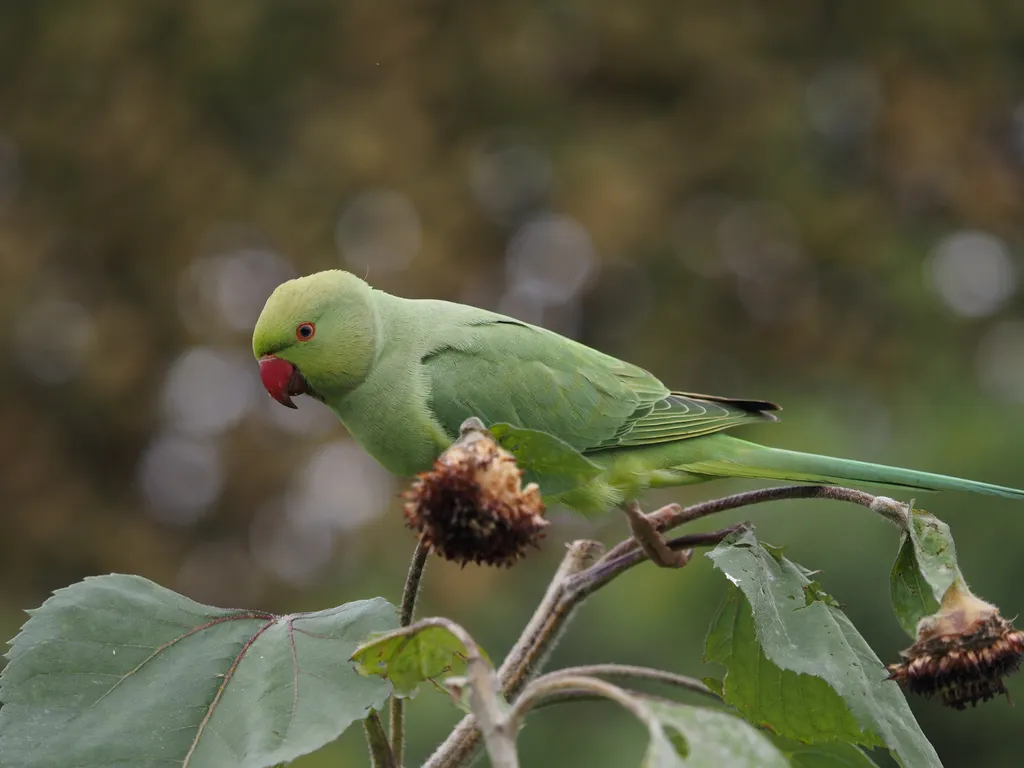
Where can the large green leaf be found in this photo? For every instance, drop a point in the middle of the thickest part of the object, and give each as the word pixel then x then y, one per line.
pixel 924 570
pixel 550 462
pixel 814 637
pixel 118 671
pixel 411 656
pixel 685 736
pixel 801 707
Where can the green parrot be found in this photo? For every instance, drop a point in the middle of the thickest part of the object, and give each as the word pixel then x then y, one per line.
pixel 402 375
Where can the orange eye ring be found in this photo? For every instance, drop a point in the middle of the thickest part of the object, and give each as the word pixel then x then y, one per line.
pixel 305 331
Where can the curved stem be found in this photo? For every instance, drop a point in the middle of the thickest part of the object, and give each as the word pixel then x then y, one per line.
pixel 637 673
pixel 546 625
pixel 672 516
pixel 499 734
pixel 760 496
pixel 565 595
pixel 526 656
pixel 544 687
pixel 396 707
pixel 570 695
pixel 608 568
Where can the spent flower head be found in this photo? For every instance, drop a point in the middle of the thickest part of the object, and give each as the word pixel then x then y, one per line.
pixel 471 506
pixel 962 652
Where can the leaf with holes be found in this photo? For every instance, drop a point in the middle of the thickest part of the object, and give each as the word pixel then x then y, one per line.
pixel 807 638
pixel 925 568
pixel 546 460
pixel 118 671
pixel 412 655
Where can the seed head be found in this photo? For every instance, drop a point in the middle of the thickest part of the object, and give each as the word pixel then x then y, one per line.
pixel 471 507
pixel 962 653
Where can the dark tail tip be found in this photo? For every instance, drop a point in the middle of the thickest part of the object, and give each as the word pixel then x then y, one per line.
pixel 760 407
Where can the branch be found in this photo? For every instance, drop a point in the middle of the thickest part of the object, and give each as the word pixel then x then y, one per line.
pixel 381 755
pixel 412 583
pixel 672 515
pixel 547 624
pixel 569 695
pixel 535 642
pixel 608 568
pixel 484 697
pixel 396 707
pixel 544 687
pixel 568 590
pixel 638 673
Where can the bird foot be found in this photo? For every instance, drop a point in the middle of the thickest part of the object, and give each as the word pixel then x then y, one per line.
pixel 650 540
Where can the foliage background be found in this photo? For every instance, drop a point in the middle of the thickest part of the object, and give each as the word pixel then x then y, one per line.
pixel 813 202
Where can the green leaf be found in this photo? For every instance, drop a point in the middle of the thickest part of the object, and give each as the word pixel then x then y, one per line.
pixel 408 657
pixel 118 671
pixel 924 570
pixel 912 598
pixel 715 686
pixel 813 640
pixel 688 736
pixel 802 707
pixel 550 462
pixel 834 754
pixel 813 591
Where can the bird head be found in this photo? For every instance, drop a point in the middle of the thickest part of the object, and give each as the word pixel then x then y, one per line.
pixel 316 335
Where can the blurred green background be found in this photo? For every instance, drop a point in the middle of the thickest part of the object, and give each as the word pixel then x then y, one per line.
pixel 817 203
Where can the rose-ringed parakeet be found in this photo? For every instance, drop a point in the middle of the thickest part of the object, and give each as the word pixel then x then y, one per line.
pixel 402 375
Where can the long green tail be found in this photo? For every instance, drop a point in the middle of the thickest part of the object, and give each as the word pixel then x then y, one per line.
pixel 739 458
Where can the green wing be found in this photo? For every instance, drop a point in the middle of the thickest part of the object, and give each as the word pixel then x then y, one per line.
pixel 502 370
pixel 681 415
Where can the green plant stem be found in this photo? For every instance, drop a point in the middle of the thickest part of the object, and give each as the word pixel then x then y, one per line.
pixel 526 655
pixel 484 696
pixel 636 673
pixel 672 515
pixel 607 568
pixel 549 685
pixel 568 590
pixel 396 707
pixel 380 750
pixel 546 625
pixel 412 583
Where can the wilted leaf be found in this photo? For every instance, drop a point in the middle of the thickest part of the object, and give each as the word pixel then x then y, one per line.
pixel 411 656
pixel 817 640
pixel 550 462
pixel 118 671
pixel 925 568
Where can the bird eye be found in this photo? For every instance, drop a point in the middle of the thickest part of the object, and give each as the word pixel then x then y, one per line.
pixel 305 331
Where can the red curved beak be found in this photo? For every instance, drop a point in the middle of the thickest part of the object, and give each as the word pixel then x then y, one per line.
pixel 281 379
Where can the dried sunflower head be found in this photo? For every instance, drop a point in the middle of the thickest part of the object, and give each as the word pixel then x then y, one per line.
pixel 471 507
pixel 962 653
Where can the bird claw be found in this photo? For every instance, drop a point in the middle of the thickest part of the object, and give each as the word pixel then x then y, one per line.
pixel 650 540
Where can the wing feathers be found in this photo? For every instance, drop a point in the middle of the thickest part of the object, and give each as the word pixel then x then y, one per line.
pixel 681 415
pixel 504 370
